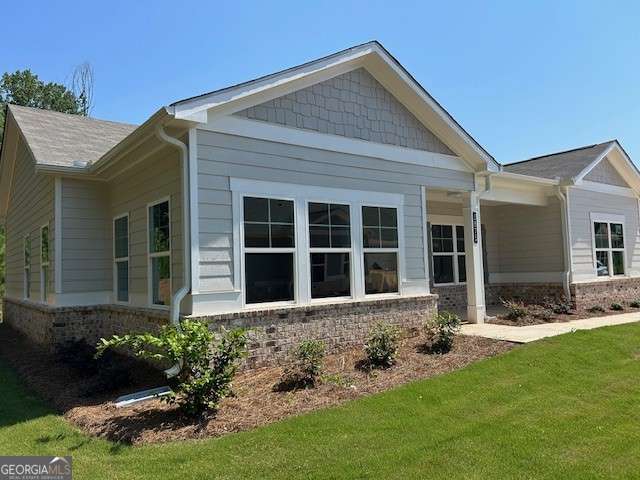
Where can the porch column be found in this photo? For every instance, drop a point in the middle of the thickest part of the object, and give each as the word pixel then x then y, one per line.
pixel 476 309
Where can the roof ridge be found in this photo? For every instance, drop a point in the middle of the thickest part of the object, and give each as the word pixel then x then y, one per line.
pixel 559 153
pixel 74 115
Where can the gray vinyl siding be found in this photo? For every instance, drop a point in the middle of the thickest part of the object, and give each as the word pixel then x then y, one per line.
pixel 223 156
pixel 605 172
pixel 85 237
pixel 31 205
pixel 584 202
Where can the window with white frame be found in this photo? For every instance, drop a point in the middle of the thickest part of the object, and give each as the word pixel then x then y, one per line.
pixel 44 263
pixel 121 258
pixel 159 253
pixel 609 248
pixel 330 249
pixel 447 254
pixel 380 249
pixel 269 250
pixel 27 266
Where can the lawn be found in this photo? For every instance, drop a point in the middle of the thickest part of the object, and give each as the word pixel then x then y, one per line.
pixel 566 407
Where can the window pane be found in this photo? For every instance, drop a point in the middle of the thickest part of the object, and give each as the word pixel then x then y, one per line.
pixel 318 214
pixel 44 245
pixel 380 272
pixel 602 264
pixel 460 238
pixel 340 237
pixel 443 269
pixel 388 217
pixel 256 209
pixel 282 236
pixel 340 215
pixel 45 283
pixel 601 235
pixel 319 237
pixel 159 230
pixel 330 275
pixel 389 238
pixel 122 279
pixel 371 237
pixel 161 280
pixel 256 235
pixel 281 211
pixel 462 269
pixel 121 237
pixel 370 216
pixel 27 252
pixel 617 238
pixel 618 263
pixel 269 277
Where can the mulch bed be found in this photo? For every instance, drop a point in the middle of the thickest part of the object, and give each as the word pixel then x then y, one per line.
pixel 256 403
pixel 557 318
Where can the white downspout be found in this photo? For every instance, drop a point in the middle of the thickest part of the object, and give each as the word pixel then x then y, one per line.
pixel 177 298
pixel 566 236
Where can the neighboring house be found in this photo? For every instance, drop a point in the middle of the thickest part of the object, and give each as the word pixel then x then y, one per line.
pixel 311 202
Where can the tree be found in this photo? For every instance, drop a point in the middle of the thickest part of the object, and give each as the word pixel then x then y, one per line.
pixel 82 87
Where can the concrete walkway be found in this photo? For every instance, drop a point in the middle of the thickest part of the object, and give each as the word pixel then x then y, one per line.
pixel 531 333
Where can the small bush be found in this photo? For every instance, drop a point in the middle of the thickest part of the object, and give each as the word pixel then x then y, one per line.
pixel 561 307
pixel 382 345
pixel 305 366
pixel 515 310
pixel 596 309
pixel 208 363
pixel 440 331
pixel 616 306
pixel 635 304
pixel 541 312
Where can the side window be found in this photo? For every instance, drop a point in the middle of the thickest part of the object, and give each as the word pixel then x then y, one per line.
pixel 447 247
pixel 121 258
pixel 27 266
pixel 609 248
pixel 44 263
pixel 160 253
pixel 380 249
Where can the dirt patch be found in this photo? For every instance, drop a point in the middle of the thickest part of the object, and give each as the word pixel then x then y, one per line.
pixel 534 318
pixel 255 403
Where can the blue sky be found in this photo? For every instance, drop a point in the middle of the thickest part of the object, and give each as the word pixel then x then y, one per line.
pixel 524 78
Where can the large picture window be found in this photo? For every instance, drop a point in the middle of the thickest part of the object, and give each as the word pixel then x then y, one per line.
pixel 380 249
pixel 448 256
pixel 330 249
pixel 159 222
pixel 269 246
pixel 27 266
pixel 121 258
pixel 44 263
pixel 609 248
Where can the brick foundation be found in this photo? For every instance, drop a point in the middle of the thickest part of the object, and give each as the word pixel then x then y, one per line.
pixel 454 297
pixel 605 292
pixel 273 332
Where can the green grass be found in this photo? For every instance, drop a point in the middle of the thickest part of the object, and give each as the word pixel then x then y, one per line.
pixel 563 408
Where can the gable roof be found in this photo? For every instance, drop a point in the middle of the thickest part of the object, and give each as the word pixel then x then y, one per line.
pixel 63 139
pixel 371 55
pixel 564 165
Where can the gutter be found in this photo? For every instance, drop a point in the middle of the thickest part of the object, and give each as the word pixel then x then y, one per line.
pixel 562 194
pixel 177 298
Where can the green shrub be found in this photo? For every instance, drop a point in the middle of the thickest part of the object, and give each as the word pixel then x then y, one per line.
pixel 616 306
pixel 440 331
pixel 382 345
pixel 305 366
pixel 561 307
pixel 208 363
pixel 596 309
pixel 515 310
pixel 635 304
pixel 541 312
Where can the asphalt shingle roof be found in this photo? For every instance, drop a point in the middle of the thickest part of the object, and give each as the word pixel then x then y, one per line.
pixel 64 139
pixel 563 165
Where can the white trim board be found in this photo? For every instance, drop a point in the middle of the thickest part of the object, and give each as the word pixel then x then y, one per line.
pixel 605 188
pixel 335 143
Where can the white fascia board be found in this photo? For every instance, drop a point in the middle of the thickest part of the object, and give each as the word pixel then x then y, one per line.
pixel 336 143
pixel 578 178
pixel 605 188
pixel 516 177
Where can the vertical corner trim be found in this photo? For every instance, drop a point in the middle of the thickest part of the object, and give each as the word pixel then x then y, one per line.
pixel 193 207
pixel 57 241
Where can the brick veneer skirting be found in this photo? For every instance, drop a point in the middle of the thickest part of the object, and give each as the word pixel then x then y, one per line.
pixel 454 297
pixel 273 332
pixel 605 292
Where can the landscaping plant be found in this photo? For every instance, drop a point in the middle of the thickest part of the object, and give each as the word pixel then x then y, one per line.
pixel 382 345
pixel 561 307
pixel 441 330
pixel 596 309
pixel 635 304
pixel 305 367
pixel 208 363
pixel 515 310
pixel 616 306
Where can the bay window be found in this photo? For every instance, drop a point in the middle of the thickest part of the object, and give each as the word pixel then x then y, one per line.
pixel 121 258
pixel 448 256
pixel 380 249
pixel 609 248
pixel 269 250
pixel 159 253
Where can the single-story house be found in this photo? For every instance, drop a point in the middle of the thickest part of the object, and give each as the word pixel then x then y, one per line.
pixel 309 202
